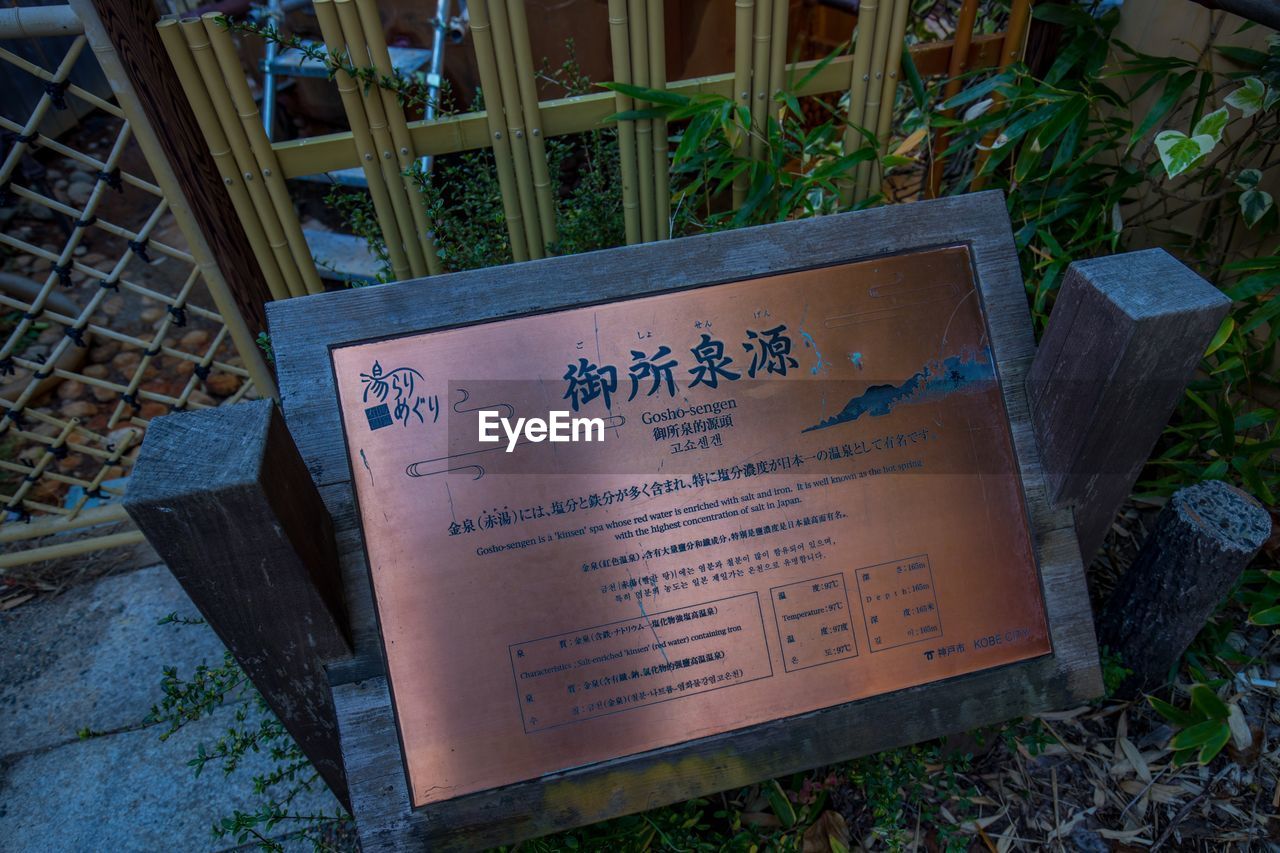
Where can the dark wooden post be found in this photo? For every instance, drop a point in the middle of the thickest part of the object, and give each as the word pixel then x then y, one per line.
pixel 226 500
pixel 1202 541
pixel 130 26
pixel 1124 339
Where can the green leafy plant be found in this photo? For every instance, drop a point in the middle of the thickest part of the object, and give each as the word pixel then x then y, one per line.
pixel 799 174
pixel 1261 594
pixel 1085 176
pixel 186 698
pixel 1114 672
pixel 906 788
pixel 1203 727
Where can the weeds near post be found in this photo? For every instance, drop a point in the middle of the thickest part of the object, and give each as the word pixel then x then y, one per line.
pixel 194 696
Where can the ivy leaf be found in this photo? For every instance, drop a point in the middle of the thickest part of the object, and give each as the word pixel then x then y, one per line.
pixel 1254 205
pixel 1247 179
pixel 1212 124
pixel 1249 98
pixel 1179 152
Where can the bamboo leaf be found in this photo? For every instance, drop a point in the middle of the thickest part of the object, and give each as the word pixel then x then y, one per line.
pixel 1207 702
pixel 1220 337
pixel 782 807
pixel 1173 91
pixel 1172 713
pixel 1243 55
pixel 1197 735
pixel 643 93
pixel 975 92
pixel 912 74
pixel 1269 616
pixel 1214 745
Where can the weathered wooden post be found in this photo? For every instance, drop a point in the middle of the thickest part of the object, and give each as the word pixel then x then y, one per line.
pixel 225 499
pixel 1125 336
pixel 1202 541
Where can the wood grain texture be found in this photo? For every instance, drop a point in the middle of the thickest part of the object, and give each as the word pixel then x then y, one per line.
pixel 304 329
pixel 131 26
pixel 223 497
pixel 1203 539
pixel 1123 341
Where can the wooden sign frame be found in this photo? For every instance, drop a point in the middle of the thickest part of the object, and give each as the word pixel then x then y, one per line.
pixel 304 330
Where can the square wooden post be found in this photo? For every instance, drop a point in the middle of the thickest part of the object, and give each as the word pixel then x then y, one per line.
pixel 1123 341
pixel 226 500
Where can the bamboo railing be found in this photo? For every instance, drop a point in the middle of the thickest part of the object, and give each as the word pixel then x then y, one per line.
pixel 515 124
pixel 583 113
pixel 206 62
pixel 513 114
pixel 636 30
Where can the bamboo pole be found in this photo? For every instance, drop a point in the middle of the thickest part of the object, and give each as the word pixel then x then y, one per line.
pixel 889 94
pixel 27 22
pixel 639 21
pixel 70 549
pixel 49 525
pixel 366 148
pixel 229 61
pixel 482 38
pixel 658 80
pixel 955 67
pixel 875 88
pixel 620 42
pixel 859 82
pixel 388 164
pixel 760 78
pixel 1015 37
pixel 376 42
pixel 742 26
pixel 197 38
pixel 519 26
pixel 778 48
pixel 514 112
pixel 194 86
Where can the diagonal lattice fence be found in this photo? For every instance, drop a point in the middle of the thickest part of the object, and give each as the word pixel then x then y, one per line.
pixel 105 322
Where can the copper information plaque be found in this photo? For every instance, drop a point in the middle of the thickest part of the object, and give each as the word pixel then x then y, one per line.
pixel 800 491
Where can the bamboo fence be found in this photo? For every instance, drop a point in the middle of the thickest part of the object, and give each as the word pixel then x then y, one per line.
pixel 514 126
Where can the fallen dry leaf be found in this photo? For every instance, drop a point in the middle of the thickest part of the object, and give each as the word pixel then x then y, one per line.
pixel 829 825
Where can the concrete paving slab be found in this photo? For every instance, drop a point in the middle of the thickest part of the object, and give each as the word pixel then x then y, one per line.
pixel 129 791
pixel 93 657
